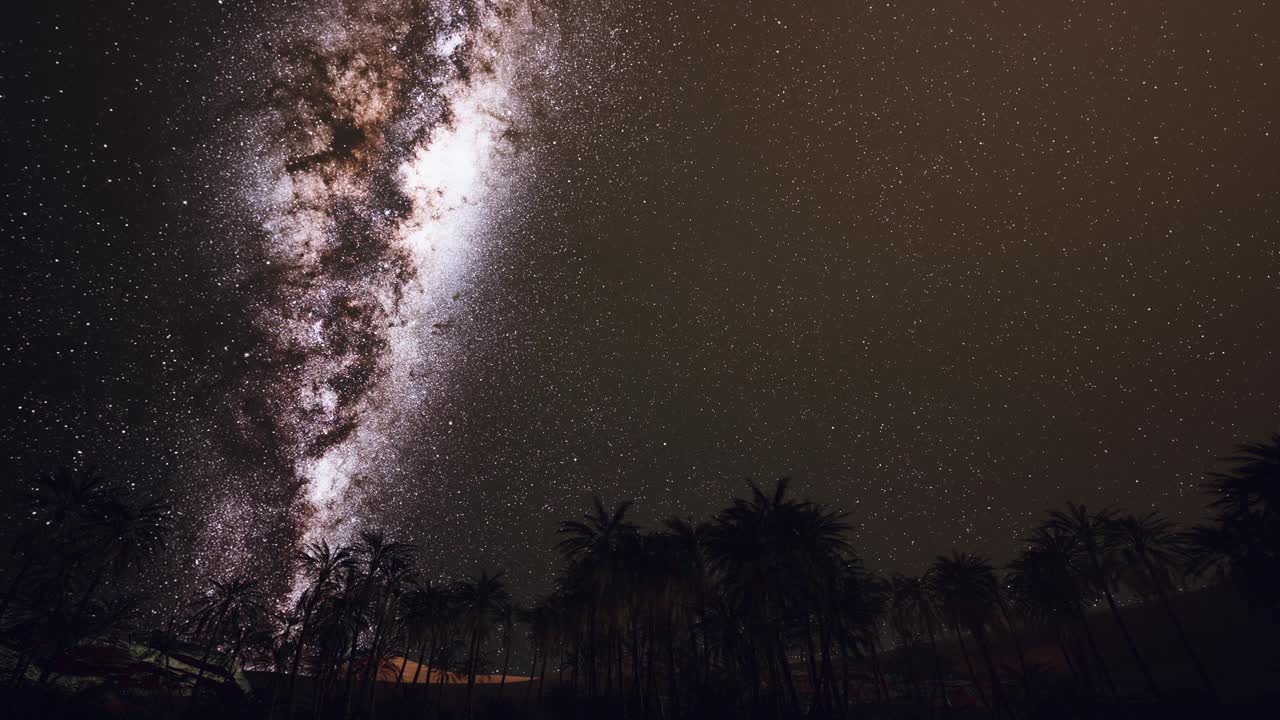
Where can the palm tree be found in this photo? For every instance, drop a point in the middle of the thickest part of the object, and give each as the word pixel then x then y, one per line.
pixel 321 566
pixel 92 530
pixel 964 587
pixel 506 617
pixel 130 532
pixel 482 601
pixel 1003 596
pixel 864 600
pixel 56 510
pixel 1148 542
pixel 227 608
pixel 775 558
pixel 592 545
pixel 913 608
pixel 1045 583
pixel 1245 531
pixel 1091 531
pixel 395 576
pixel 747 558
pixel 340 619
pixel 384 567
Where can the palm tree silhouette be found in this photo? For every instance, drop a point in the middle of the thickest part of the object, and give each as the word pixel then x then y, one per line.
pixel 1244 534
pixel 735 612
pixel 913 608
pixel 322 566
pixel 748 549
pixel 78 530
pixel 506 617
pixel 482 601
pixel 1150 547
pixel 864 601
pixel 226 609
pixel 964 586
pixel 128 533
pixel 1091 532
pixel 592 546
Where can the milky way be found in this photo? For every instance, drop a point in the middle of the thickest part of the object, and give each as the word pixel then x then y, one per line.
pixel 374 142
pixel 452 269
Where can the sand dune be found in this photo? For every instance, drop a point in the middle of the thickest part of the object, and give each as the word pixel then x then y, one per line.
pixel 391 670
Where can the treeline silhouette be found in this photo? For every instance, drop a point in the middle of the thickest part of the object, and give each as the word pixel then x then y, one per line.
pixel 763 610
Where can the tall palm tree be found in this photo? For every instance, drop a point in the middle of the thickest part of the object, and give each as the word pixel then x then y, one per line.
pixel 592 545
pixel 395 575
pixel 679 582
pixel 1245 531
pixel 775 558
pixel 748 551
pixel 481 601
pixel 864 600
pixel 93 530
pixel 129 533
pixel 227 608
pixel 1091 531
pixel 342 619
pixel 321 566
pixel 1045 582
pixel 506 617
pixel 1149 542
pixel 913 609
pixel 964 586
pixel 384 565
pixel 688 589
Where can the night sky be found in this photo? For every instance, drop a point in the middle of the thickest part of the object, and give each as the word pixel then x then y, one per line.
pixel 452 268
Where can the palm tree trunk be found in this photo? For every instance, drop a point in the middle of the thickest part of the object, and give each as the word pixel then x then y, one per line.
pixel 351 671
pixel 533 668
pixel 785 668
pixel 404 664
pixel 471 666
pixel 433 656
pixel 622 687
pixel 706 638
pixel 1066 656
pixel 1097 656
pixel 811 660
pixel 204 661
pixel 506 663
pixel 844 681
pixel 375 655
pixel 937 664
pixel 673 689
pixel 973 674
pixel 322 677
pixel 1017 644
pixel 997 688
pixel 1181 632
pixel 577 661
pixel 1124 627
pixel 593 685
pixel 882 687
pixel 297 657
pixel 88 594
pixel 542 676
pixel 608 663
pixel 63 643
pixel 652 696
pixel 436 665
pixel 422 653
pixel 27 562
pixel 752 663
